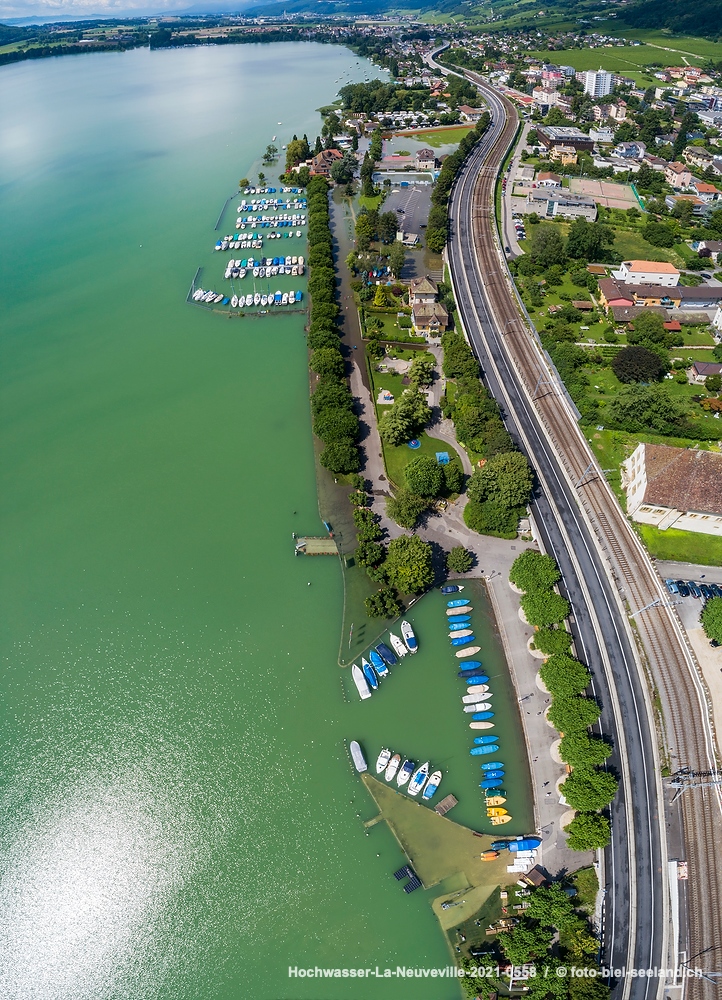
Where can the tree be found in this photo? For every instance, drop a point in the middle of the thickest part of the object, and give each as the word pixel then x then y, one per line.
pixel 713 383
pixel 408 564
pixel 408 415
pixel 492 518
pixel 582 750
pixel 551 906
pixel 547 247
pixel 423 476
pixel 505 479
pixel 370 554
pixel 564 676
pixel 261 178
pixel 459 560
pixel 589 240
pixel 271 153
pixel 525 942
pixel 243 182
pixel 327 363
pixel 659 234
pixel 588 831
pixel 384 604
pixel 637 364
pixel 545 607
pixel 421 373
pixel 341 456
pixel 296 150
pixel 388 227
pixel 647 408
pixel 342 171
pixel 552 640
pixel 588 987
pixel 406 508
pixel 365 231
pixel 711 619
pixel 397 258
pixel 573 714
pixel 533 571
pixel 588 790
pixel 336 424
pixel 352 261
pixel 453 477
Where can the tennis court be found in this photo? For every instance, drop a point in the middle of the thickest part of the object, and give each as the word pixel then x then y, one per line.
pixel 605 193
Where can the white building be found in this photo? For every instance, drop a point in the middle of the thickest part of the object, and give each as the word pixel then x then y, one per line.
pixel 674 487
pixel 647 272
pixel 717 321
pixel 598 82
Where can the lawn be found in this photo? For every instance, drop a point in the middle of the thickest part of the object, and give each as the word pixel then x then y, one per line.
pixel 442 136
pixel 672 45
pixel 626 60
pixel 587 885
pixel 682 546
pixel 372 204
pixel 631 245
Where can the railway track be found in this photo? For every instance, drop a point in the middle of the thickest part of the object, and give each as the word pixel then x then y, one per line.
pixel 684 724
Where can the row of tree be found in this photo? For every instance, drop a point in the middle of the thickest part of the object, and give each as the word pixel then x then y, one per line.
pixel 334 419
pixel 587 789
pixel 438 223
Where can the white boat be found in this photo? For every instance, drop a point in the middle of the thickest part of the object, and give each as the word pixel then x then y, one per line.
pixel 294 260
pixel 234 302
pixel 255 272
pixel 197 294
pixel 461 634
pixel 481 706
pixel 256 298
pixel 301 260
pixel 451 612
pixel 397 645
pixel 284 299
pixel 431 785
pixel 418 779
pixel 383 759
pixel 408 636
pixel 469 651
pixel 471 699
pixel 264 300
pixel 361 683
pixel 243 273
pixel 393 767
pixel 481 725
pixel 479 689
pixel 218 298
pixel 405 773
pixel 291 297
pixel 357 755
pixel 249 299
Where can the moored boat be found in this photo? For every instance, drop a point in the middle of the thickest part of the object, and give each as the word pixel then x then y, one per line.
pixel 360 682
pixel 418 778
pixel 492 765
pixel 375 658
pixel 383 758
pixel 234 302
pixel 431 785
pixel 357 756
pixel 460 627
pixel 463 637
pixel 496 811
pixel 457 603
pixel 398 646
pixel 451 588
pixel 393 766
pixel 490 855
pixel 469 651
pixel 408 636
pixel 463 609
pixel 474 679
pixel 476 689
pixel 491 783
pixel 485 740
pixel 478 706
pixel 386 654
pixel 473 696
pixel 405 773
pixel 481 725
pixel 471 665
pixel 499 820
pixel 524 844
pixel 482 715
pixel 491 775
pixel 495 800
pixel 480 751
pixel 456 619
pixel 370 675
pixel 382 670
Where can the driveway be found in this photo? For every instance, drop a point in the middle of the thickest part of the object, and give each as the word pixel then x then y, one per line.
pixel 415 202
pixel 510 239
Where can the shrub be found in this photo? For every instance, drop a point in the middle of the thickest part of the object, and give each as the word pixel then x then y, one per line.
pixel 579 749
pixel 453 477
pixel 459 560
pixel 564 676
pixel 336 424
pixel 552 640
pixel 491 518
pixel 587 790
pixel 545 608
pixel 505 479
pixel 532 571
pixel 588 831
pixel 574 714
pixel 711 619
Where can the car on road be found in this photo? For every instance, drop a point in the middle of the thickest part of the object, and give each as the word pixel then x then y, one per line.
pixel 682 588
pixel 671 586
pixel 507 250
pixel 704 274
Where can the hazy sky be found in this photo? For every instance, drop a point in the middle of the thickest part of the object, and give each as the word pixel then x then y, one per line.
pixel 78 8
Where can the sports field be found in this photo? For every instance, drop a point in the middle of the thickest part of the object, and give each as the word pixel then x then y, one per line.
pixel 604 192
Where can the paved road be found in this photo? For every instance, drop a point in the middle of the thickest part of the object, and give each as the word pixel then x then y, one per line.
pixel 634 929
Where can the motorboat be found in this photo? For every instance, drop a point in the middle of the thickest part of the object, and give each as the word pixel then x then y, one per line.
pixel 495 811
pixel 463 609
pixel 477 706
pixel 357 755
pixel 490 775
pixel 386 654
pixel 360 682
pixel 451 588
pixel 299 295
pixel 457 619
pixel 462 627
pixel 474 679
pixel 481 725
pixel 284 299
pixel 492 765
pixel 490 855
pixel 418 779
pixel 524 844
pixel 469 651
pixel 495 800
pixel 473 696
pixel 277 296
pixel 249 299
pixel 383 758
pixel 456 603
pixel 468 671
pixel 291 298
pixel 392 767
pixel 477 689
pixel 463 637
pixel 480 751
pixel 218 298
pixel 376 659
pixel 264 300
pixel 257 298
pixel 431 785
pixel 491 784
pixel 485 740
pixel 405 773
pixel 500 820
pixel 370 675
pixel 482 715
pixel 398 646
pixel 382 670
pixel 472 665
pixel 408 636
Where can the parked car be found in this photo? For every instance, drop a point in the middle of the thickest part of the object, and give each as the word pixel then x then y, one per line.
pixel 694 589
pixel 671 586
pixel 706 592
pixel 507 250
pixel 682 588
pixel 716 589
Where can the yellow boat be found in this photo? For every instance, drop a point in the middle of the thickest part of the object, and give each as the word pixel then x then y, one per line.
pixel 496 812
pixel 498 820
pixel 495 800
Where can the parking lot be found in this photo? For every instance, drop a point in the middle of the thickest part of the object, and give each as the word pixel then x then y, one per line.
pixel 688 587
pixel 414 202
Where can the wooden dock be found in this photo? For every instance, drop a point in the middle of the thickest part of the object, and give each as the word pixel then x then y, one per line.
pixel 310 546
pixel 448 803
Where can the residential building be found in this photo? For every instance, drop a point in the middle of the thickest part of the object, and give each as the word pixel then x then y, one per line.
pixel 603 135
pixel 598 83
pixel 618 111
pixel 647 272
pixel 429 318
pixel 705 191
pixel 470 114
pixel 564 135
pixel 700 208
pixel 714 247
pixel 425 159
pixel 322 162
pixel 564 154
pixel 701 370
pixel 422 291
pixel 676 487
pixel 678 175
pixel 717 321
pixel 655 162
pixel 553 203
pixel 630 150
pixel 611 294
pixel 697 157
pixel 547 179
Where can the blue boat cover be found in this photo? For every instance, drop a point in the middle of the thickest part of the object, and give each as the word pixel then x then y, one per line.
pixel 475 680
pixel 492 765
pixel 463 640
pixel 458 618
pixel 482 716
pixel 495 774
pixel 489 783
pixel 375 658
pixel 457 603
pixel 478 751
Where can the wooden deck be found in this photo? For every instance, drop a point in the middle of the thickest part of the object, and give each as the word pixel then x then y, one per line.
pixel 310 546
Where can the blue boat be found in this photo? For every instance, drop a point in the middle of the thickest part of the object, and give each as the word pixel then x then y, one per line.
pixel 525 844
pixel 490 783
pixel 492 765
pixel 463 640
pixel 370 675
pixel 375 659
pixel 299 296
pixel 475 680
pixel 457 603
pixel 386 654
pixel 474 670
pixel 382 671
pixel 493 774
pixel 458 618
pixel 482 716
pixel 482 741
pixel 472 665
pixel 451 589
pixel 479 751
pixel 458 626
pixel 488 792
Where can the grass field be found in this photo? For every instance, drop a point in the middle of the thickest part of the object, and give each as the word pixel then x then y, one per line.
pixel 675 44
pixel 682 546
pixel 441 136
pixel 633 246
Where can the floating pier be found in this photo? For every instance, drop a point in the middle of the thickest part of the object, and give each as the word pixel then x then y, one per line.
pixel 448 803
pixel 307 545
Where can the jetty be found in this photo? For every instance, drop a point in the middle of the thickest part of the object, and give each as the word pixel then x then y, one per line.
pixel 307 545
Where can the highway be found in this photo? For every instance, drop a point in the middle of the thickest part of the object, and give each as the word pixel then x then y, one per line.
pixel 604 567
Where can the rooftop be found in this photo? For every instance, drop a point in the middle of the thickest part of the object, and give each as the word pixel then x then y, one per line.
pixel 656 266
pixel 683 479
